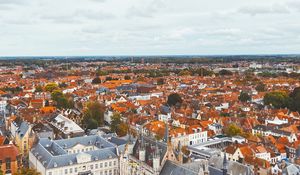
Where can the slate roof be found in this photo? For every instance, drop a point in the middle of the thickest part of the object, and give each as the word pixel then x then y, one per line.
pixel 23 129
pixel 53 154
pixel 175 169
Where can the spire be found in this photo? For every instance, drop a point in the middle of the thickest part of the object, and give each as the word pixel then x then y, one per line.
pixel 156 153
pixel 180 154
pixel 225 165
pixel 141 139
pixel 129 141
pixel 166 136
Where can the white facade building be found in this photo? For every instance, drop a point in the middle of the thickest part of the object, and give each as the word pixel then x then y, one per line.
pixel 81 155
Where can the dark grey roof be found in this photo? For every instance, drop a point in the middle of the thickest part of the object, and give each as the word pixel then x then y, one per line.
pixel 233 167
pixel 53 154
pixel 118 141
pixel 23 129
pixel 175 169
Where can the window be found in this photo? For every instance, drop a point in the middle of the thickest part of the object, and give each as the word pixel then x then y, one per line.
pixel 71 170
pixel 66 171
pixel 105 165
pixel 92 167
pixel 83 168
pixel 8 166
pixel 49 173
pixel 110 172
pixel 109 163
pixel 115 162
pixel 96 166
pixel 75 169
pixel 101 165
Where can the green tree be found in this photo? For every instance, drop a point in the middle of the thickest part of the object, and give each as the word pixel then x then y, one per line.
pixel 51 87
pixel 62 85
pixel 39 88
pixel 225 72
pixel 108 78
pixel 261 87
pixel 27 171
pixel 101 73
pixel 127 77
pixel 294 104
pixel 62 102
pixel 277 99
pixel 94 112
pixel 233 130
pixel 160 81
pixel 244 97
pixel 115 122
pixel 118 126
pixel 96 80
pixel 174 99
pixel 184 73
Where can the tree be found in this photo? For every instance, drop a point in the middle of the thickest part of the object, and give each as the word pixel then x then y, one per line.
pixel 225 72
pixel 233 130
pixel 160 81
pixel 61 100
pixel 118 126
pixel 38 88
pixel 101 73
pixel 127 77
pixel 277 99
pixel 174 99
pixel 261 87
pixel 294 104
pixel 27 171
pixel 122 129
pixel 96 80
pixel 184 73
pixel 203 72
pixel 62 85
pixel 115 122
pixel 51 87
pixel 244 97
pixel 94 115
pixel 108 78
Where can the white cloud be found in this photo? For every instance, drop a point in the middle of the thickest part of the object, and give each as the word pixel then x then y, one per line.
pixel 114 27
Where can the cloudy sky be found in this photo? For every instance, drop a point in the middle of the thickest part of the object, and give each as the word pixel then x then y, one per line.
pixel 148 27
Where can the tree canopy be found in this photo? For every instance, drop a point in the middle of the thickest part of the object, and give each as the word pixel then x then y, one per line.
pixel 27 171
pixel 61 100
pixel 225 72
pixel 277 99
pixel 261 87
pixel 174 99
pixel 96 80
pixel 50 87
pixel 233 130
pixel 244 97
pixel 118 126
pixel 94 115
pixel 295 100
